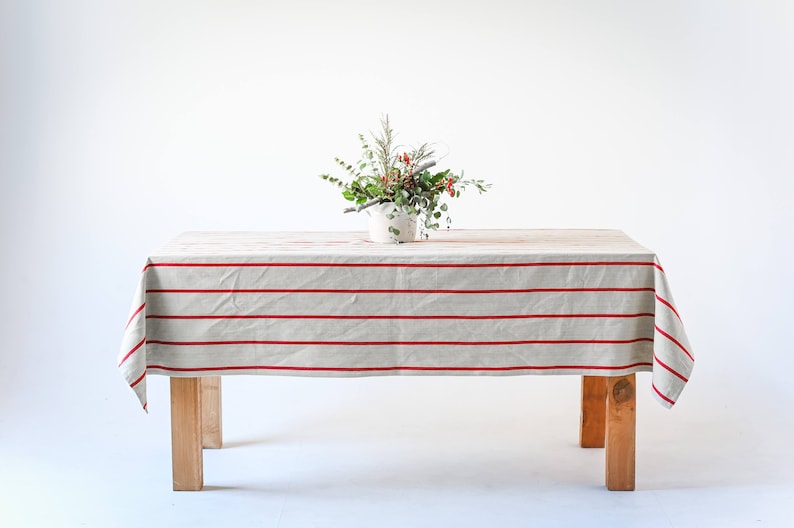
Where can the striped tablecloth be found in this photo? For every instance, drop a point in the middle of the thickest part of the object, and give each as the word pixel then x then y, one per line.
pixel 586 302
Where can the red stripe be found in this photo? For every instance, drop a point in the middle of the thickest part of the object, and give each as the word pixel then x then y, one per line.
pixel 669 305
pixel 285 290
pixel 662 396
pixel 395 368
pixel 138 380
pixel 390 264
pixel 131 352
pixel 671 369
pixel 402 317
pixel 134 314
pixel 674 340
pixel 406 343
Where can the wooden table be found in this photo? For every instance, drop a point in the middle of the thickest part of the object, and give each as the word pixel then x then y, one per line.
pixel 586 302
pixel 608 420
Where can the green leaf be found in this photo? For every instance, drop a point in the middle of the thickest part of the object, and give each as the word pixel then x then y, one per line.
pixel 444 207
pixel 436 215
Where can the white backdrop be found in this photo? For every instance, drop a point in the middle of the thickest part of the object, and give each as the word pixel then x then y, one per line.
pixel 123 123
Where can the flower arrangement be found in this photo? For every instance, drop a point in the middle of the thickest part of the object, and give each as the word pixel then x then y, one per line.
pixel 385 174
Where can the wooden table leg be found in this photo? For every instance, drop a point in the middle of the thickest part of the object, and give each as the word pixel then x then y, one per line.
pixel 211 431
pixel 621 433
pixel 187 458
pixel 592 429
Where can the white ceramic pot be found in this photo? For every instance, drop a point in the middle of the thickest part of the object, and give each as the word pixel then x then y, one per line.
pixel 379 224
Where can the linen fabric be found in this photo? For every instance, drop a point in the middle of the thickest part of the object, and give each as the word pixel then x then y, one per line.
pixel 485 302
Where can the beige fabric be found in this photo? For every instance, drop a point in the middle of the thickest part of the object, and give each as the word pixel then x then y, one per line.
pixel 494 302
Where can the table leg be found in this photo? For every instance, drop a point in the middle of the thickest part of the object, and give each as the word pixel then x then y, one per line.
pixel 186 455
pixel 211 431
pixel 592 429
pixel 621 433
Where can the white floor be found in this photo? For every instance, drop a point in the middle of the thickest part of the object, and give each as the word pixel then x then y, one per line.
pixel 395 452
